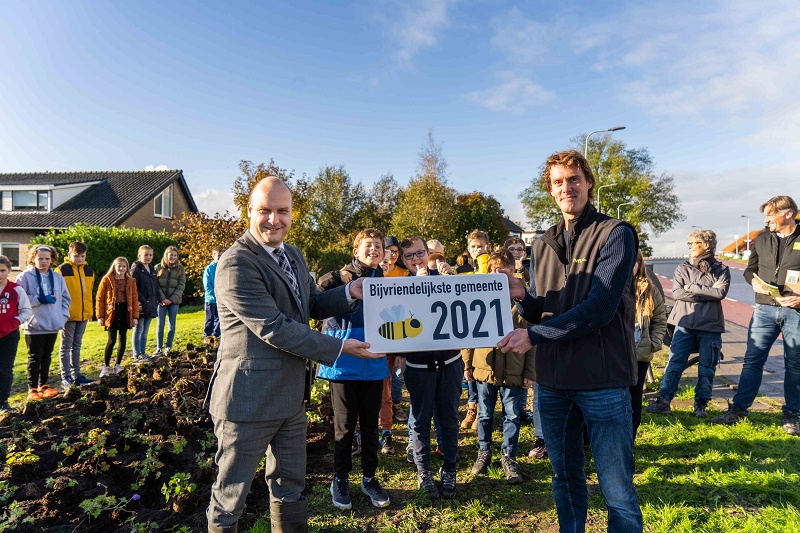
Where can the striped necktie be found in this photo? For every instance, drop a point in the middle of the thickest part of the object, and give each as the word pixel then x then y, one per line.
pixel 287 269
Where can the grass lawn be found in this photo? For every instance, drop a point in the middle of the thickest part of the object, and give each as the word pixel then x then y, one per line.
pixel 690 476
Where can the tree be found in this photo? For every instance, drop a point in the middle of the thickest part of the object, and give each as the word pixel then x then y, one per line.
pixel 655 204
pixel 197 234
pixel 477 210
pixel 380 204
pixel 427 205
pixel 252 174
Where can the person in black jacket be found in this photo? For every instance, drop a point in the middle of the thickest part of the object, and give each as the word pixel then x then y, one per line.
pixel 147 288
pixel 581 301
pixel 774 258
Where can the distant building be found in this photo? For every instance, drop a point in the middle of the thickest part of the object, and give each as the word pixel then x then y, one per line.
pixel 739 246
pixel 32 203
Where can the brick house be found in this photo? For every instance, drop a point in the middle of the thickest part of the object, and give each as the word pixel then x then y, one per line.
pixel 32 203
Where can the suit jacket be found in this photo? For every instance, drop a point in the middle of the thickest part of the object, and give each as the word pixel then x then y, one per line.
pixel 265 337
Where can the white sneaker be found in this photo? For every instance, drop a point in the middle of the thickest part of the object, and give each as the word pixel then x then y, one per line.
pixel 104 371
pixel 167 351
pixel 117 369
pixel 158 353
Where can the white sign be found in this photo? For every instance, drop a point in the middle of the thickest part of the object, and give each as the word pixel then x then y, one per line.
pixel 421 313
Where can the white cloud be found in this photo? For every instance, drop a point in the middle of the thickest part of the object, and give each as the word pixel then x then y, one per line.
pixel 211 201
pixel 512 93
pixel 415 25
pixel 522 44
pixel 151 168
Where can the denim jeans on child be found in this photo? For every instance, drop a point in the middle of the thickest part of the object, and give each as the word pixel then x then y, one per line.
pixel 607 416
pixel 163 311
pixel 509 398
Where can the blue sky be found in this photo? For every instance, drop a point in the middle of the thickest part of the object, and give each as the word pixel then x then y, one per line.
pixel 706 86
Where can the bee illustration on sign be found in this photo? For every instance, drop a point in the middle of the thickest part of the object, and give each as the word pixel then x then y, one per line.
pixel 397 326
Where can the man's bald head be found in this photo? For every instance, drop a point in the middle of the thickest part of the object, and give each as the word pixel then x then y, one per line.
pixel 270 210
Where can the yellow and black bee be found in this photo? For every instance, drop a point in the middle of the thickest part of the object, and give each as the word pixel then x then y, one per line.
pixel 397 326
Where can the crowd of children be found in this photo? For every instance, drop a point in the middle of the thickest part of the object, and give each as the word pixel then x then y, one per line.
pixel 46 300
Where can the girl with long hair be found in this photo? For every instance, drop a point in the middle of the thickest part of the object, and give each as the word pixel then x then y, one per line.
pixel 171 282
pixel 117 310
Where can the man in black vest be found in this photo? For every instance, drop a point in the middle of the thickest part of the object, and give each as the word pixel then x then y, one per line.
pixel 581 302
pixel 775 258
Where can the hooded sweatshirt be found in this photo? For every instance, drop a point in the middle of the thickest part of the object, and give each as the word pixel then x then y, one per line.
pixel 47 317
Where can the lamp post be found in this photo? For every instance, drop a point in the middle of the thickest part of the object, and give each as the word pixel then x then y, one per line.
pixel 586 143
pixel 747 239
pixel 600 207
pixel 620 205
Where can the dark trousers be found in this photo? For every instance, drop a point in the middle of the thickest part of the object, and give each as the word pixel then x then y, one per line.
pixel 113 335
pixel 636 397
pixel 211 325
pixel 8 351
pixel 439 387
pixel 353 401
pixel 40 351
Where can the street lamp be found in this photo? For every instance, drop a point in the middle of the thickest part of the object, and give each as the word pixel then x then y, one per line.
pixel 586 144
pixel 600 207
pixel 747 239
pixel 620 205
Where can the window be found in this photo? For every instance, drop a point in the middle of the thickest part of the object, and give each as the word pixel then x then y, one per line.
pixel 162 205
pixel 24 200
pixel 10 250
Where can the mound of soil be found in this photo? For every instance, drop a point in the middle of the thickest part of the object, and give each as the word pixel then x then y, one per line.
pixel 99 458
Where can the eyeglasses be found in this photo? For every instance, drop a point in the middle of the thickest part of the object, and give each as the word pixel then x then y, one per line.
pixel 418 253
pixel 513 249
pixel 694 242
pixel 392 252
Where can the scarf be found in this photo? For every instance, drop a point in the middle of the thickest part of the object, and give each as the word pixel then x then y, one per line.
pixel 702 262
pixel 46 298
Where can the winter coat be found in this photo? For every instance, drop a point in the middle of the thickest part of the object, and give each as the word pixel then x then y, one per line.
pixel 147 287
pixel 46 318
pixel 700 306
pixel 171 282
pixel 654 327
pixel 15 308
pixel 80 284
pixel 490 365
pixel 107 299
pixel 351 326
pixel 209 274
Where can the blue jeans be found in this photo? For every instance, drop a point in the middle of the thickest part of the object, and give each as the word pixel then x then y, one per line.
pixel 685 341
pixel 607 416
pixel 139 338
pixel 487 398
pixel 211 325
pixel 767 322
pixel 163 310
pixel 472 392
pixel 441 388
pixel 397 384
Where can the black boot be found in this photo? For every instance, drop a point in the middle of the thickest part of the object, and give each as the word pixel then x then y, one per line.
pixel 289 517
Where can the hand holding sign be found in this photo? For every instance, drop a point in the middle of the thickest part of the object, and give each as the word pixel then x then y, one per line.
pixel 517 341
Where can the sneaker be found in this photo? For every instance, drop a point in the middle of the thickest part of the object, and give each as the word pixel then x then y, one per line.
pixel 511 470
pixel 376 494
pixel 387 447
pixel 658 406
pixel 730 417
pixel 34 396
pixel 117 369
pixel 45 391
pixel 410 455
pixel 167 350
pixel 5 408
pixel 82 381
pixel 482 462
pixel 158 353
pixel 340 493
pixel 425 482
pixel 700 410
pixel 448 479
pixel 356 447
pixel 539 449
pixel 141 359
pixel 791 423
pixel 526 417
pixel 66 383
pixel 399 415
pixel 105 371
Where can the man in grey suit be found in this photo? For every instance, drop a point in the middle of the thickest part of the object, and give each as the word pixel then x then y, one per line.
pixel 265 297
